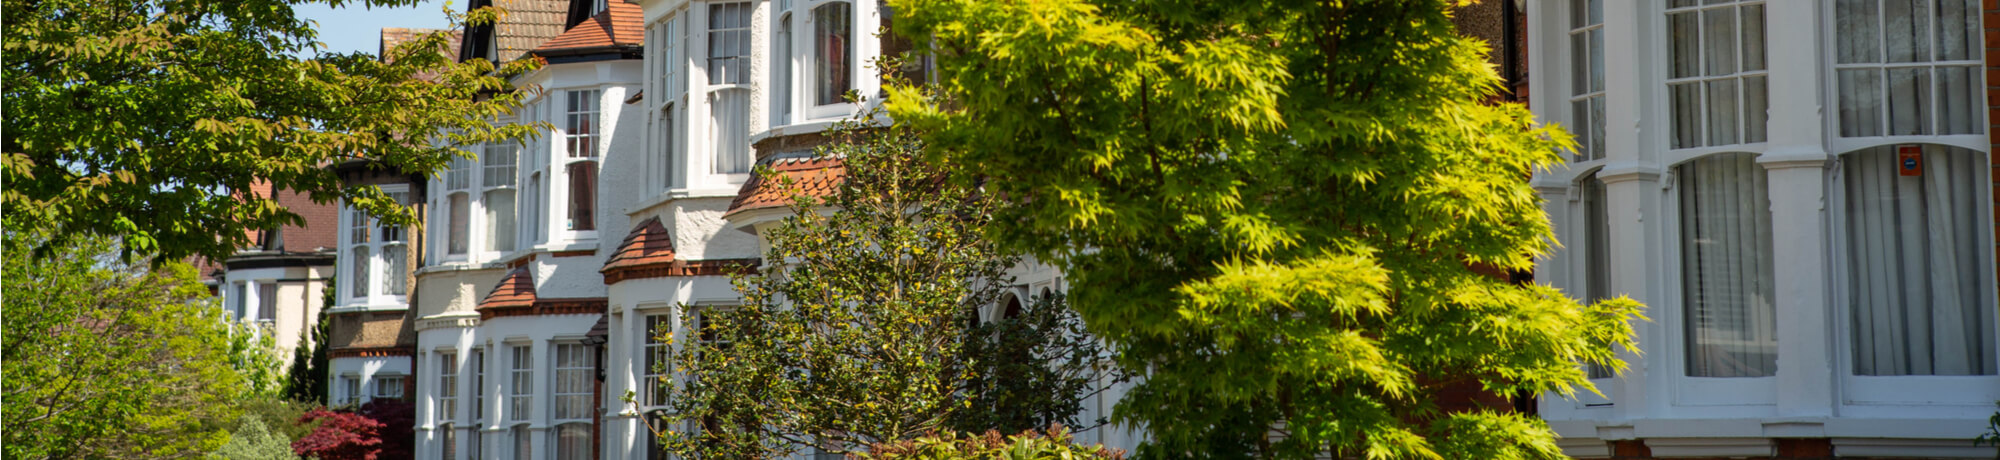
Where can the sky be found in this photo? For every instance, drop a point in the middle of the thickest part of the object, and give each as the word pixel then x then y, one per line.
pixel 357 28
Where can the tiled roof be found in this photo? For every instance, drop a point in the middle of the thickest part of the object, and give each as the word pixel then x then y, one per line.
pixel 619 24
pixel 648 244
pixel 527 24
pixel 815 177
pixel 392 36
pixel 516 289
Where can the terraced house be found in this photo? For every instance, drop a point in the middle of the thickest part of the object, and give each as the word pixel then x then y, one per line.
pixel 1795 188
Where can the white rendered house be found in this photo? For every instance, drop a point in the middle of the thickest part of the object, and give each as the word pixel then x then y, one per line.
pixel 1801 193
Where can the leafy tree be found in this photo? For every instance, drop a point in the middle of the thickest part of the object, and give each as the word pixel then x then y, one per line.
pixel 140 118
pixel 1270 210
pixel 106 359
pixel 857 329
pixel 378 430
pixel 253 440
pixel 1056 443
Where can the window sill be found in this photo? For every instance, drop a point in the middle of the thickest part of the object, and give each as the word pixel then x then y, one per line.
pixel 809 126
pixel 356 308
pixel 680 194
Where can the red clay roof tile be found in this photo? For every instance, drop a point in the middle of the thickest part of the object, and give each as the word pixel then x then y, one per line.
pixel 647 244
pixel 618 24
pixel 815 177
pixel 516 289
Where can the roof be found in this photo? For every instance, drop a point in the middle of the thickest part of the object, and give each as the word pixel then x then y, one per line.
pixel 647 244
pixel 392 36
pixel 815 177
pixel 516 289
pixel 619 25
pixel 526 25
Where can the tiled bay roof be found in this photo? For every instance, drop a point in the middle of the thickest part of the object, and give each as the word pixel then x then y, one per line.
pixel 528 24
pixel 648 244
pixel 816 177
pixel 516 289
pixel 618 25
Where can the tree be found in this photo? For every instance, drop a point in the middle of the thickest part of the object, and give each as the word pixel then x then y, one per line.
pixel 149 120
pixel 306 380
pixel 856 331
pixel 253 440
pixel 1270 210
pixel 1056 443
pixel 106 359
pixel 378 430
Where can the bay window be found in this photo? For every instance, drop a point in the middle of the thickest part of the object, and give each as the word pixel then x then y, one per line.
pixel 1716 79
pixel 1596 253
pixel 781 66
pixel 388 387
pixel 1729 318
pixel 520 399
pixel 670 86
pixel 447 387
pixel 582 195
pixel 497 176
pixel 267 301
pixel 377 255
pixel 570 400
pixel 1586 78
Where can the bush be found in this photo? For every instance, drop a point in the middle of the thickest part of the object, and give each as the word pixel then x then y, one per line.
pixel 252 440
pixel 1056 443
pixel 378 430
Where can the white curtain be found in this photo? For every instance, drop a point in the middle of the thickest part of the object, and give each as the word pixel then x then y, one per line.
pixel 1726 267
pixel 1876 100
pixel 730 117
pixel 1916 283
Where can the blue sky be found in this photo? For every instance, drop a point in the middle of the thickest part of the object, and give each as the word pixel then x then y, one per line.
pixel 357 28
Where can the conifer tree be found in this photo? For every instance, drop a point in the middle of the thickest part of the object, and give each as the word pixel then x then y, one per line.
pixel 1270 209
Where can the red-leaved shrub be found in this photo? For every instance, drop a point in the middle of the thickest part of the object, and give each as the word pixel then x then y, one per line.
pixel 379 430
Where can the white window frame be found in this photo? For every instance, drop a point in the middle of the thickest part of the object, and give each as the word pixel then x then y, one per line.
pixel 643 332
pixel 461 178
pixel 557 372
pixel 667 69
pixel 379 388
pixel 1721 396
pixel 349 392
pixel 355 222
pixel 498 178
pixel 447 386
pixel 567 158
pixel 1585 153
pixel 866 19
pixel 1580 235
pixel 1701 79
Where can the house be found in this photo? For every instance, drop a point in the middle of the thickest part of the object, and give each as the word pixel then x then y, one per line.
pixel 1801 192
pixel 277 282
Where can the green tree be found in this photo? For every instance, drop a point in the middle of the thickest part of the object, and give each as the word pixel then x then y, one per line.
pixel 254 440
pixel 107 359
pixel 143 119
pixel 306 381
pixel 1270 209
pixel 857 330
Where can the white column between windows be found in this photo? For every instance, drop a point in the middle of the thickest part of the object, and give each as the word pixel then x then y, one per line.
pixel 1630 178
pixel 1796 161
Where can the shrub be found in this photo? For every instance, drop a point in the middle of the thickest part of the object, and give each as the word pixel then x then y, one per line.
pixel 1056 443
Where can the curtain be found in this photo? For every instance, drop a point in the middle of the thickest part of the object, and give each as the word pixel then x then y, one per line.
pixel 730 117
pixel 396 263
pixel 1726 265
pixel 500 220
pixel 573 441
pixel 460 221
pixel 1915 279
pixel 583 196
pixel 1877 100
pixel 359 287
pixel 833 29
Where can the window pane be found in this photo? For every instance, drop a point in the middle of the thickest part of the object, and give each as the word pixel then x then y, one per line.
pixel 1684 46
pixel 781 74
pixel 267 301
pixel 730 115
pixel 580 124
pixel 1686 99
pixel 1597 127
pixel 396 265
pixel 1860 102
pixel 1959 101
pixel 1726 268
pixel 499 220
pixel 1597 253
pixel 1915 280
pixel 523 444
pixel 1581 107
pixel 460 216
pixel 1753 37
pixel 833 45
pixel 1906 27
pixel 1718 41
pixel 359 285
pixel 1597 59
pixel 1859 23
pixel 1756 101
pixel 1958 30
pixel 573 441
pixel 1722 115
pixel 583 195
pixel 1579 73
pixel 1909 101
pixel 499 163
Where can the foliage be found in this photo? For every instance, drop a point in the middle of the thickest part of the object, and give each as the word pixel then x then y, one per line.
pixel 142 119
pixel 107 359
pixel 378 430
pixel 1055 444
pixel 279 416
pixel 1270 209
pixel 254 355
pixel 1030 370
pixel 252 440
pixel 1992 435
pixel 306 380
pixel 857 329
